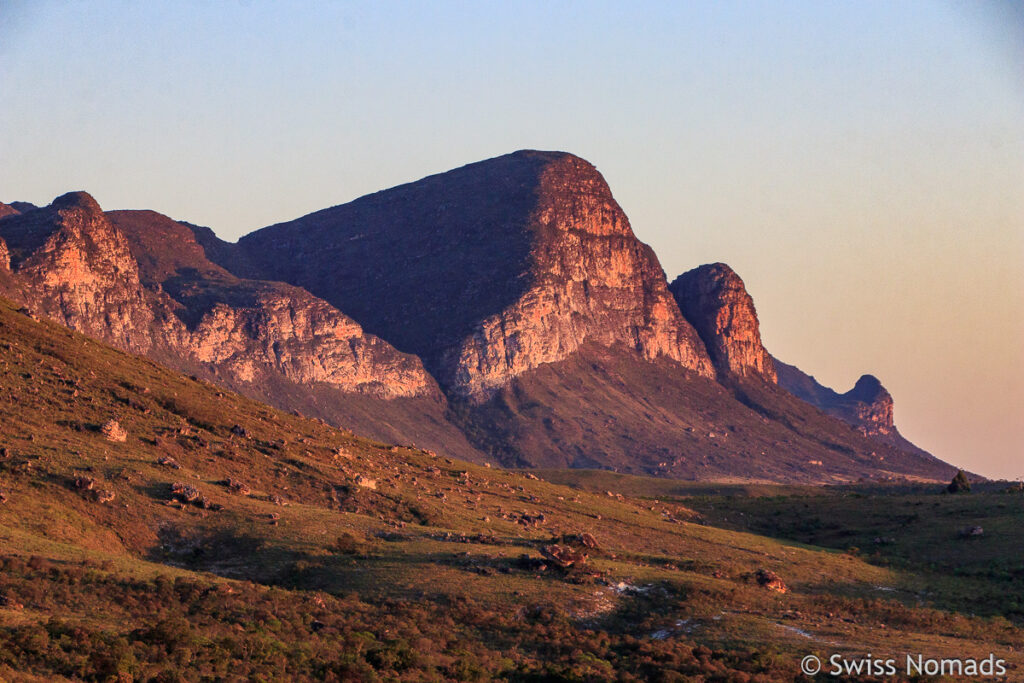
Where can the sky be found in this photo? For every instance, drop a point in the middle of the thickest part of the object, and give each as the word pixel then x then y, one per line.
pixel 860 165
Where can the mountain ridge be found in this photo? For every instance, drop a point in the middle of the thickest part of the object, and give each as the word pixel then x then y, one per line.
pixel 507 297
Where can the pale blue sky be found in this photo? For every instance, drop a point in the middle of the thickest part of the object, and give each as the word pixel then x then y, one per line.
pixel 860 164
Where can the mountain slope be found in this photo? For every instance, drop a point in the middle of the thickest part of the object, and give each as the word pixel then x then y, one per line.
pixel 867 407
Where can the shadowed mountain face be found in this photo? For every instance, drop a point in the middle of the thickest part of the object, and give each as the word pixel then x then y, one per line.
pixel 501 310
pixel 486 271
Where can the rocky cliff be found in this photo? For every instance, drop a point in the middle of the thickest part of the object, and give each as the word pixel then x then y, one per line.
pixel 74 267
pixel 249 328
pixel 486 271
pixel 715 300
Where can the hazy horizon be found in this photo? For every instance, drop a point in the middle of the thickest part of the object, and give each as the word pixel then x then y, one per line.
pixel 860 166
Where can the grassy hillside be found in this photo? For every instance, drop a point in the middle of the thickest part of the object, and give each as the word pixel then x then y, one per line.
pixel 225 540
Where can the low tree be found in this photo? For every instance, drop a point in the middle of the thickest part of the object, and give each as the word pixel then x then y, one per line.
pixel 960 483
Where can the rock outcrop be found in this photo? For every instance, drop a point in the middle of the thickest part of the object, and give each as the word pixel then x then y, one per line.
pixel 715 301
pixel 76 269
pixel 486 271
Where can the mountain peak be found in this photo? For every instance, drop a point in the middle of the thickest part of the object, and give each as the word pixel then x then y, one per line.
pixel 487 270
pixel 76 200
pixel 868 389
pixel 715 301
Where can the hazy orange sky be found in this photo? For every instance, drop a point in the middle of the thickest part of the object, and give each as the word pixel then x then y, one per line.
pixel 861 165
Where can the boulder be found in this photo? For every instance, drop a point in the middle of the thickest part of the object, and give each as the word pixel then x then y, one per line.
pixel 562 556
pixel 114 431
pixel 769 580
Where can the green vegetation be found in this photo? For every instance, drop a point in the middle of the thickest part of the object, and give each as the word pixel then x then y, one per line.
pixel 242 543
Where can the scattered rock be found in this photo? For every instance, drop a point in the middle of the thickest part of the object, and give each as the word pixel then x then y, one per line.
pixel 239 430
pixel 103 496
pixel 562 556
pixel 769 580
pixel 186 493
pixel 238 487
pixel 114 431
pixel 84 483
pixel 585 540
pixel 167 461
pixel 366 482
pixel 28 312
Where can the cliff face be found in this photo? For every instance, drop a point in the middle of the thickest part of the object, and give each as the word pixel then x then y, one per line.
pixel 487 271
pixel 140 281
pixel 714 299
pixel 75 268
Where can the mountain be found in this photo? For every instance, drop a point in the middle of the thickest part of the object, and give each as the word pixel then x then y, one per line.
pixel 553 330
pixel 714 298
pixel 487 271
pixel 502 311
pixel 140 281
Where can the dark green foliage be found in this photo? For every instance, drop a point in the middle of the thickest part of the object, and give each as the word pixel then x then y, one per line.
pixel 960 483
